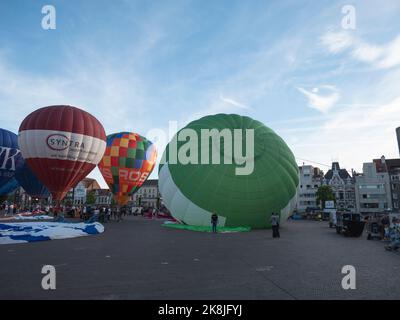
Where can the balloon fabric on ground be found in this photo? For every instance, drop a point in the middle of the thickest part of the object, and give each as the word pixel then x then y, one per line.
pixel 10 161
pixel 192 192
pixel 62 145
pixel 128 161
pixel 33 217
pixel 23 232
pixel 205 228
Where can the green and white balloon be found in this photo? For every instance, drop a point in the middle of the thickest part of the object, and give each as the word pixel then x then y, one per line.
pixel 193 191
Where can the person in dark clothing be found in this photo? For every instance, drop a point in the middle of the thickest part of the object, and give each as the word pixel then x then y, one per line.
pixel 119 214
pixel 214 222
pixel 385 224
pixel 275 225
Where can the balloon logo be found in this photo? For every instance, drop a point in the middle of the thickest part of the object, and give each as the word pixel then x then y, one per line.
pixel 10 161
pixel 61 145
pixel 128 161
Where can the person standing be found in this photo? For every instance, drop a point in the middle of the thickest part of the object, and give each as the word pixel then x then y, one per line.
pixel 102 215
pixel 119 214
pixel 214 222
pixel 275 225
pixel 395 236
pixel 84 213
pixel 108 214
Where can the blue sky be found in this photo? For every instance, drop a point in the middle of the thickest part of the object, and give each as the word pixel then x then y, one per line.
pixel 331 93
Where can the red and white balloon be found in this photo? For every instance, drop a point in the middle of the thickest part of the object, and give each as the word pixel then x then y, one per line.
pixel 62 145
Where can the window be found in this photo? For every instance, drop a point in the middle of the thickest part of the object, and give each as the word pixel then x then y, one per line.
pixel 371 186
pixel 370 205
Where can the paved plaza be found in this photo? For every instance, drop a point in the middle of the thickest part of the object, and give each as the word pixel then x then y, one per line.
pixel 139 259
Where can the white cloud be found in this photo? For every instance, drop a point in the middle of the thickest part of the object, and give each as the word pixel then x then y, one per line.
pixel 99 88
pixel 392 55
pixel 233 102
pixel 337 41
pixel 353 132
pixel 321 102
pixel 366 52
pixel 380 56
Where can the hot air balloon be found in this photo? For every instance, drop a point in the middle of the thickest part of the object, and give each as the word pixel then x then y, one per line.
pixel 10 161
pixel 127 162
pixel 28 181
pixel 61 145
pixel 9 186
pixel 243 193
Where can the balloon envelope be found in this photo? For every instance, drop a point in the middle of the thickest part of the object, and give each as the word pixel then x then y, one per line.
pixel 62 145
pixel 127 162
pixel 9 187
pixel 10 161
pixel 193 191
pixel 30 183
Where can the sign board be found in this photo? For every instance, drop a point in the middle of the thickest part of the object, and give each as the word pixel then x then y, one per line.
pixel 329 204
pixel 80 191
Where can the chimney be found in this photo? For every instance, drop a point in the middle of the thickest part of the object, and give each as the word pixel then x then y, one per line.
pixel 398 137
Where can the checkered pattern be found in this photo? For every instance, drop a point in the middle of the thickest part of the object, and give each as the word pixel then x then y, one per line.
pixel 127 150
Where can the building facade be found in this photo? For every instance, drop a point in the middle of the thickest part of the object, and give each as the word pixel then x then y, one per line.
pixel 373 189
pixel 103 197
pixel 343 187
pixel 78 195
pixel 148 195
pixel 392 167
pixel 310 181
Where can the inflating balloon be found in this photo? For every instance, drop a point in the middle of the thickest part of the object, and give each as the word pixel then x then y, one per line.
pixel 10 161
pixel 62 145
pixel 255 175
pixel 127 162
pixel 30 183
pixel 9 187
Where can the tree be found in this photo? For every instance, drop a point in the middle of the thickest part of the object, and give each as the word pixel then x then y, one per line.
pixel 91 197
pixel 3 198
pixel 324 193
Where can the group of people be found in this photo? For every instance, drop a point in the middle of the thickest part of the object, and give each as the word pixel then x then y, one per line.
pixel 9 210
pixel 103 213
pixel 113 212
pixel 391 233
pixel 106 213
pixel 274 221
pixel 386 228
pixel 13 209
